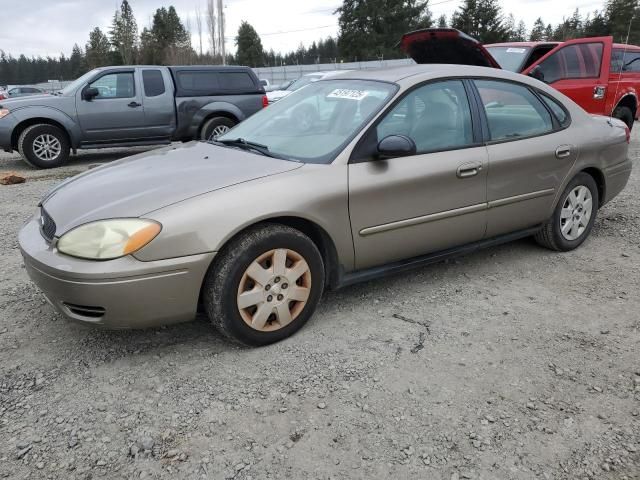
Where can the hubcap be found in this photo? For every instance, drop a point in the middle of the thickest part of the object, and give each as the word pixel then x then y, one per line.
pixel 46 147
pixel 274 290
pixel 218 131
pixel 576 213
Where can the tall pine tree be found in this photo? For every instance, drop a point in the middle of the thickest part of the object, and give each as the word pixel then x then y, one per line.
pixel 481 19
pixel 124 33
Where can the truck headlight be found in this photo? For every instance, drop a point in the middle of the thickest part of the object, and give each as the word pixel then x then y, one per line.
pixel 108 239
pixel 4 112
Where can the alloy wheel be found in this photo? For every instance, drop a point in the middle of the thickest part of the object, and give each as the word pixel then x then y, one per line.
pixel 218 131
pixel 576 213
pixel 47 147
pixel 274 290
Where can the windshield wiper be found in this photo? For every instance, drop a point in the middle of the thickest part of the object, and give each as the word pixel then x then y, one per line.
pixel 246 145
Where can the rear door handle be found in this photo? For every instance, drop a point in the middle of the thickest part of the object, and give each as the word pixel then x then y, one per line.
pixel 469 170
pixel 135 105
pixel 563 152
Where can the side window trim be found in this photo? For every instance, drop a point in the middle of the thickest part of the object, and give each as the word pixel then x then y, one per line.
pixel 372 130
pixel 485 121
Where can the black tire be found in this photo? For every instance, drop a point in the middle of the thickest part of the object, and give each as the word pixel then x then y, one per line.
pixel 625 114
pixel 213 123
pixel 550 236
pixel 222 282
pixel 29 136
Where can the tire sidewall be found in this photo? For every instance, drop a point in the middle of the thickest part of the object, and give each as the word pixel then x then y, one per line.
pixel 585 180
pixel 211 124
pixel 626 115
pixel 32 134
pixel 227 306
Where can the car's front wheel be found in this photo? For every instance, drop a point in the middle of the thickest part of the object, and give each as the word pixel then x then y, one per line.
pixel 573 217
pixel 264 285
pixel 44 146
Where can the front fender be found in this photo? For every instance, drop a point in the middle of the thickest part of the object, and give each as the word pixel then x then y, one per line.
pixel 210 109
pixel 46 113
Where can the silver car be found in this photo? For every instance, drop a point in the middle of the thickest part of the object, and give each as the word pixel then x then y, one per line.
pixel 398 168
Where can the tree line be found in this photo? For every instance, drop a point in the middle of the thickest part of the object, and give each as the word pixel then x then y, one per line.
pixel 368 30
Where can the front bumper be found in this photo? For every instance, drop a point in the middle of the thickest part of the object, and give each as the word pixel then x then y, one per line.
pixel 7 124
pixel 116 294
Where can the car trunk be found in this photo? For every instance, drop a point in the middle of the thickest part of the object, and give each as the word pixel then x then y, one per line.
pixel 446 45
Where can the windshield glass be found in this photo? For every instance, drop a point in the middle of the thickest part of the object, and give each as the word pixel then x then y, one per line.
pixel 302 81
pixel 510 58
pixel 313 124
pixel 73 86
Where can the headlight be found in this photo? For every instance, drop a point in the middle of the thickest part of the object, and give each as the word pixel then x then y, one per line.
pixel 4 112
pixel 108 239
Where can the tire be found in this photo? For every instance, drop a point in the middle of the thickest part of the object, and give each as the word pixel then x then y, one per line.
pixel 44 146
pixel 219 123
pixel 625 114
pixel 551 235
pixel 228 277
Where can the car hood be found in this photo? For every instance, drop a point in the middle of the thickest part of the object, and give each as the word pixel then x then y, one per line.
pixel 30 101
pixel 143 183
pixel 446 45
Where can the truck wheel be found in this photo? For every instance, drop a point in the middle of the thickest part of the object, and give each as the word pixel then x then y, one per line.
pixel 215 127
pixel 625 114
pixel 44 146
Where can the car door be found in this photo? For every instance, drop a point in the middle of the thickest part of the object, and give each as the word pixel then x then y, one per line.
pixel 116 115
pixel 159 103
pixel 436 199
pixel 530 153
pixel 579 69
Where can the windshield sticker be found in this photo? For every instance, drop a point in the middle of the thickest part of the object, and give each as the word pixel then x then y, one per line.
pixel 516 50
pixel 347 93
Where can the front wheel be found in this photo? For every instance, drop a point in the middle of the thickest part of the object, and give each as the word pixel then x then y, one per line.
pixel 44 146
pixel 264 285
pixel 573 218
pixel 216 127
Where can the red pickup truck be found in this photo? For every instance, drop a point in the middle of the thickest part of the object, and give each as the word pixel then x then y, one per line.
pixel 600 76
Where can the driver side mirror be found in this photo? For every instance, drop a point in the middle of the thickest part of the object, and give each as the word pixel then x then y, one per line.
pixel 537 73
pixel 394 146
pixel 90 93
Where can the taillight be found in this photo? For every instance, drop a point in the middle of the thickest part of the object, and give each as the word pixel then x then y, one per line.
pixel 628 132
pixel 265 101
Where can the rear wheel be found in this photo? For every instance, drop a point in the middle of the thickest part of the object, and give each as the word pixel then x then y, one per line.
pixel 216 127
pixel 264 285
pixel 625 114
pixel 44 146
pixel 573 217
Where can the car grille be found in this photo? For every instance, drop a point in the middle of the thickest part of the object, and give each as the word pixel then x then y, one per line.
pixel 48 225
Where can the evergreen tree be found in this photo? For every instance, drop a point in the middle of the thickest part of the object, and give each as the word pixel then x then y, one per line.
pixel 98 49
pixel 521 32
pixel 442 21
pixel 623 17
pixel 124 33
pixel 537 32
pixel 370 29
pixel 77 65
pixel 596 26
pixel 481 19
pixel 249 45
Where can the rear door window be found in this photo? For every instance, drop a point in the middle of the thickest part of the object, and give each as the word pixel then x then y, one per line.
pixel 513 111
pixel 580 60
pixel 153 83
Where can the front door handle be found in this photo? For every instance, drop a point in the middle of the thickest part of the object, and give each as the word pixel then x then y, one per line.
pixel 134 105
pixel 563 152
pixel 469 170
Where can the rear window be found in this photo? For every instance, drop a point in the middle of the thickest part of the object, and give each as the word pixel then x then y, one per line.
pixel 628 61
pixel 153 83
pixel 211 82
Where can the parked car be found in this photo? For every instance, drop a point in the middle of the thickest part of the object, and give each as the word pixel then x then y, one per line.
pixel 24 92
pixel 600 76
pixel 127 106
pixel 276 95
pixel 400 168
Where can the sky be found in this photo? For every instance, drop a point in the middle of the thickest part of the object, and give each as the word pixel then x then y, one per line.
pixel 51 27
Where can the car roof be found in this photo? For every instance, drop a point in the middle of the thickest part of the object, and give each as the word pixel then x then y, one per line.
pixel 521 44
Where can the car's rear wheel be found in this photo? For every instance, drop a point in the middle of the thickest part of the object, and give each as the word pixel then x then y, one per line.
pixel 216 127
pixel 573 218
pixel 44 146
pixel 625 114
pixel 264 285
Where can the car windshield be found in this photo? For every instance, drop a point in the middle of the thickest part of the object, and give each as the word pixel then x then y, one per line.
pixel 73 86
pixel 302 81
pixel 510 58
pixel 315 123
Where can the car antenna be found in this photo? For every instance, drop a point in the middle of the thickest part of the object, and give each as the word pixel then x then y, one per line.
pixel 624 53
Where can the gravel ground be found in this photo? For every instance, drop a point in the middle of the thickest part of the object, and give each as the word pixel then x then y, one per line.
pixel 511 363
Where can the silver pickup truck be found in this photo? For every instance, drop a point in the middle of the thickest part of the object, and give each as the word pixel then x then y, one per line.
pixel 129 106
